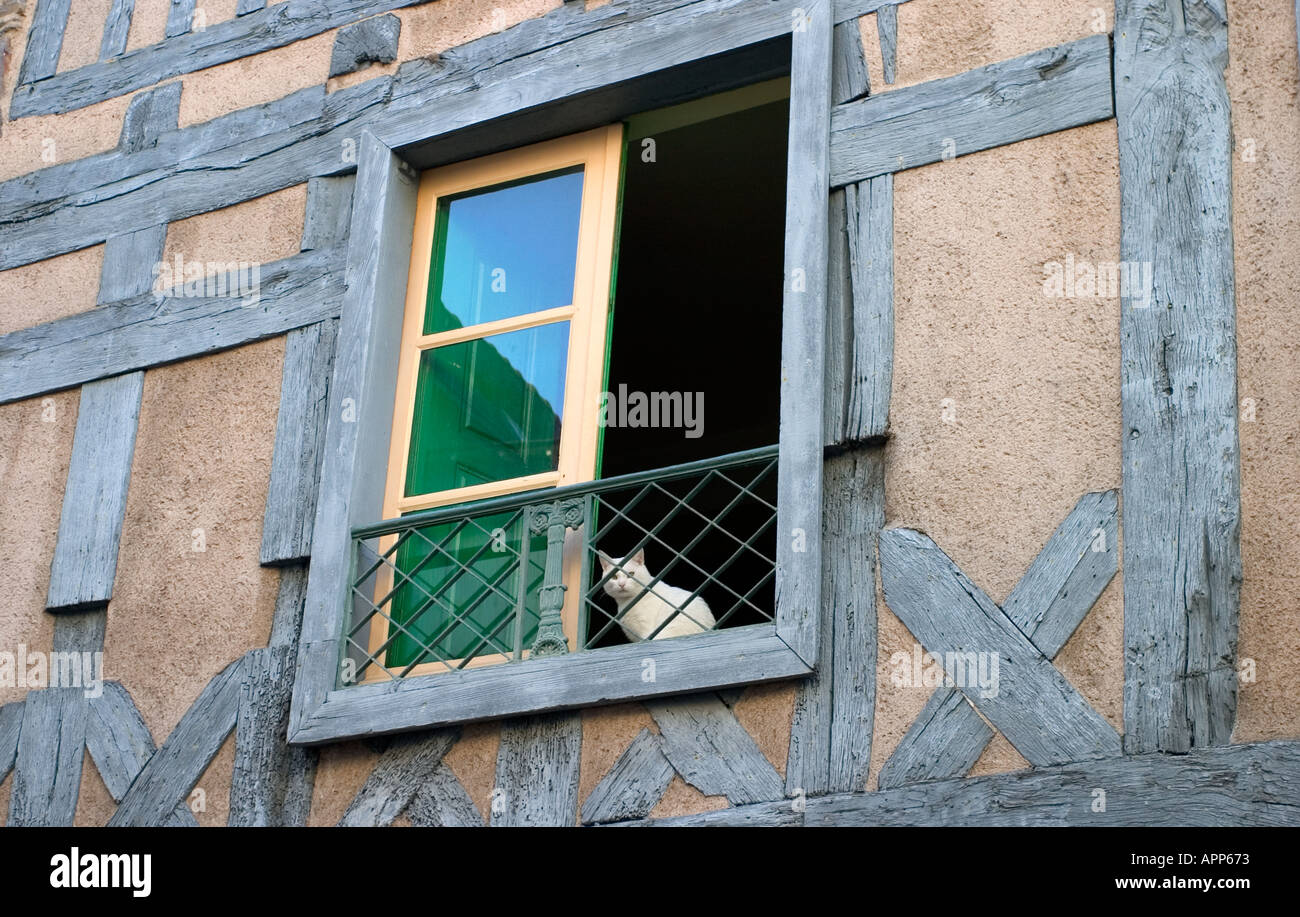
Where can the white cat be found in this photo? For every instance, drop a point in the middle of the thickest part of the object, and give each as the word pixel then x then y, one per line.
pixel 641 611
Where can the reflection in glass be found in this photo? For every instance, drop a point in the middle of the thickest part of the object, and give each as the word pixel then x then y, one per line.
pixel 505 251
pixel 488 409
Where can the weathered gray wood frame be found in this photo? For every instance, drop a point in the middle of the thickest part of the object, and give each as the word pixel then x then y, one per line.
pixel 363 387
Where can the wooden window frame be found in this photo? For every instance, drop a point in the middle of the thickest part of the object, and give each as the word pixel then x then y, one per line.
pixel 696 56
pixel 599 152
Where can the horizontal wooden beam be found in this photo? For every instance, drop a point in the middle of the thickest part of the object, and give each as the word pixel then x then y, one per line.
pixel 734 656
pixel 1231 786
pixel 1040 93
pixel 542 62
pixel 183 51
pixel 154 329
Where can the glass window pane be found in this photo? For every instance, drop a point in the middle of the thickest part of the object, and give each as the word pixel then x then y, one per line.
pixel 488 409
pixel 504 251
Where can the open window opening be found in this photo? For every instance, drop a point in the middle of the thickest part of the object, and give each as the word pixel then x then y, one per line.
pixel 584 436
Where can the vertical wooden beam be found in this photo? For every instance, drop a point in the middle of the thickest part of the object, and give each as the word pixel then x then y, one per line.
pixel 871 254
pixel 94 501
pixel 299 443
pixel 47 773
pixel 179 17
pixel 537 772
pixel 887 29
pixel 44 41
pixel 849 78
pixel 11 724
pixel 803 340
pixel 116 29
pixel 1178 348
pixel 272 781
pixel 378 258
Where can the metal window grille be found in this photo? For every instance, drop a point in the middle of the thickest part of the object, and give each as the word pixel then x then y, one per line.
pixel 501 580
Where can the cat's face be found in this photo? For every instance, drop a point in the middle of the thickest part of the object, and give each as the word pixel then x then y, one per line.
pixel 629 573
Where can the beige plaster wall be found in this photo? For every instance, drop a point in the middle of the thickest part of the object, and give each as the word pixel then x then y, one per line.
pixel 1033 383
pixel 1005 403
pixel 1262 86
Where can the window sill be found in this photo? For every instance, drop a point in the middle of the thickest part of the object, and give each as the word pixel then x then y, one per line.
pixel 720 659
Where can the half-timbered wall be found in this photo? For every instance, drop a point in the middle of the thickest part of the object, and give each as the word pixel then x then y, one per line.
pixel 1004 412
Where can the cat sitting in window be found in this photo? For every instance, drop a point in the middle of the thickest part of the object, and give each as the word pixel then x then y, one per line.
pixel 642 610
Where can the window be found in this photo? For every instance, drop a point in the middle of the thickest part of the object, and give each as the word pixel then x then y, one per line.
pixel 483 453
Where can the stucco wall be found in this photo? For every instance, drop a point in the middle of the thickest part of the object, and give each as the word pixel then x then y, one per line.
pixel 1033 383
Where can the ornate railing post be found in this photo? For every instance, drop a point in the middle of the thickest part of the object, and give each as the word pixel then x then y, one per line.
pixel 553 519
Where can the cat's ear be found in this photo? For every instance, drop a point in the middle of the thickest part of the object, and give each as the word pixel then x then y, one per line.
pixel 604 564
pixel 639 557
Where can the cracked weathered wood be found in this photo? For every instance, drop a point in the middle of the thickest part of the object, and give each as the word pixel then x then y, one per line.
pixel 1178 376
pixel 120 745
pixel 11 724
pixel 1062 583
pixel 1040 93
pixel 849 79
pixel 403 767
pixel 44 42
pixel 852 9
pixel 268 776
pixel 249 6
pixel 441 802
pixel 1032 703
pixel 1234 785
pixel 80 631
pixel 945 740
pixel 172 771
pixel 94 499
pixel 537 772
pixel 633 786
pixel 154 329
pixel 887 31
pixel 150 115
pixel 1069 574
pixel 371 41
pixel 707 745
pixel 328 212
pixel 870 213
pixel 185 51
pixel 180 16
pixel 51 748
pixel 267 148
pixel 299 443
pixel 116 28
pixel 803 338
